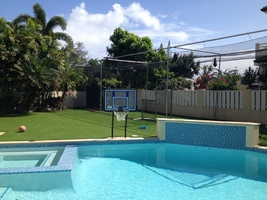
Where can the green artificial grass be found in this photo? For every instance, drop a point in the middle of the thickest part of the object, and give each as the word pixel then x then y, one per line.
pixel 72 124
pixel 263 135
pixel 81 124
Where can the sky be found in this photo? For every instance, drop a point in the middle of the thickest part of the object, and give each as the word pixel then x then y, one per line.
pixel 178 21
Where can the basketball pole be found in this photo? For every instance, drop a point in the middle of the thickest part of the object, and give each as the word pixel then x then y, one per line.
pixel 125 125
pixel 112 126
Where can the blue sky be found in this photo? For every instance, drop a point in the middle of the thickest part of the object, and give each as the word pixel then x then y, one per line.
pixel 177 21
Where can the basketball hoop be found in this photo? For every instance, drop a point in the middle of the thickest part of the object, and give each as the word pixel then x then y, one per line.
pixel 120 102
pixel 121 114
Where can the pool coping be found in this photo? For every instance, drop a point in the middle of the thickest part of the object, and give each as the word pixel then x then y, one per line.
pixel 75 140
pixel 28 143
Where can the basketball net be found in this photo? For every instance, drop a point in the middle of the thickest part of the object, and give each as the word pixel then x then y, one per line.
pixel 121 115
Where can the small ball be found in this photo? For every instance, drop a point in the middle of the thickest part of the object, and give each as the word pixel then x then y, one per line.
pixel 22 128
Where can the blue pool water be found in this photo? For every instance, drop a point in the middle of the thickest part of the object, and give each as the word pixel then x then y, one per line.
pixel 160 171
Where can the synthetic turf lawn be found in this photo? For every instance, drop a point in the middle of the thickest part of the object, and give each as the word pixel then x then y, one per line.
pixel 80 124
pixel 72 124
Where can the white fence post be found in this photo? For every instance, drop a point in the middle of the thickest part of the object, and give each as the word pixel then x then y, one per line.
pixel 258 100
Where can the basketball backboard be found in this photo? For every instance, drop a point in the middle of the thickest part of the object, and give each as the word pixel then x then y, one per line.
pixel 115 98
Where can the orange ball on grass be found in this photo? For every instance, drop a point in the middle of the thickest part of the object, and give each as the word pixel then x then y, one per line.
pixel 22 128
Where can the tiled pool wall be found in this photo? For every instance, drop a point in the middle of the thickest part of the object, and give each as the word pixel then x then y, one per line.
pixel 217 134
pixel 206 135
pixel 70 143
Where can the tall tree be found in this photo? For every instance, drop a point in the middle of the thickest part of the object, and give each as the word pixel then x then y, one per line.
pixel 16 44
pixel 125 43
pixel 46 27
pixel 249 77
pixel 185 66
pixel 78 56
pixel 73 72
pixel 158 67
pixel 128 46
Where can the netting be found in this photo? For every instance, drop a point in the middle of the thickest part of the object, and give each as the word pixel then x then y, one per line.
pixel 121 115
pixel 231 52
pixel 244 52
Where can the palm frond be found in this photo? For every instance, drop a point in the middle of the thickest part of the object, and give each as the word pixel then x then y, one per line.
pixel 39 13
pixel 21 19
pixel 65 37
pixel 54 22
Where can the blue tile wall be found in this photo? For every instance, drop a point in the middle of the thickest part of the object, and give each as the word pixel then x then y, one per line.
pixel 75 143
pixel 206 135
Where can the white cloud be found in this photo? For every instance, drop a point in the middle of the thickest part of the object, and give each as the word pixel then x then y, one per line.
pixel 163 16
pixel 136 13
pixel 94 29
pixel 199 31
pixel 163 36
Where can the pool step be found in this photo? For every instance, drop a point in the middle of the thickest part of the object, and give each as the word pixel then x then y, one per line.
pixel 3 192
pixel 49 159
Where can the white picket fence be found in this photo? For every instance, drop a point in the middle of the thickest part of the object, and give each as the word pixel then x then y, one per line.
pixel 258 100
pixel 184 98
pixel 152 96
pixel 223 99
pixel 220 99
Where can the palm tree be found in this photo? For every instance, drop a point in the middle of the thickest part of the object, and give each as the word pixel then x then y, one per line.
pixel 37 78
pixel 69 77
pixel 46 27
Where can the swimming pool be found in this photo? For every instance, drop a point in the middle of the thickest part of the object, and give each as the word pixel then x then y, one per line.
pixel 159 171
